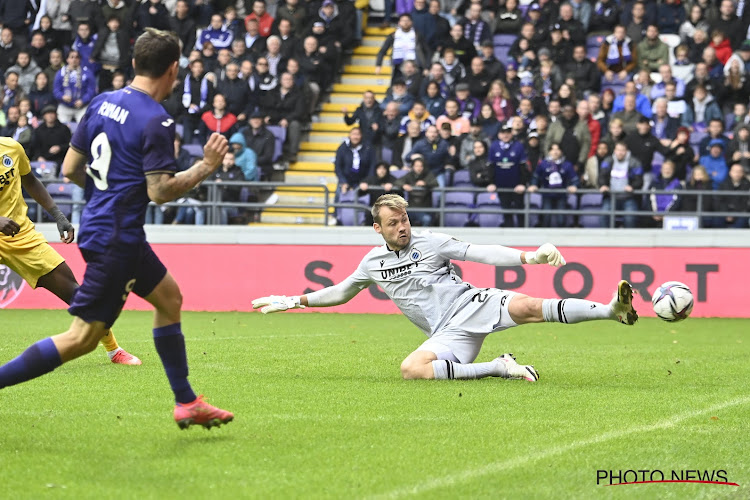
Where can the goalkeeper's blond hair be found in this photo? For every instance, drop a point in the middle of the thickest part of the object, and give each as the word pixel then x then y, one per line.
pixel 392 201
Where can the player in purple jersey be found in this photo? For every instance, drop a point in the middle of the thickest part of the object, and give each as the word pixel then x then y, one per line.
pixel 127 139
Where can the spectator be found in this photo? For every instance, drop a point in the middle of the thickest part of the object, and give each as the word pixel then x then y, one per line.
pixel 728 23
pixel 737 118
pixel 437 76
pixel 262 142
pixel 424 22
pixel 629 116
pixel 680 153
pixel 468 106
pixel 459 123
pixel 720 43
pixel 263 18
pixel 682 68
pixel 508 157
pixel 216 33
pixel 527 91
pixel 12 92
pixel 406 143
pixel 398 94
pixel 412 77
pixel 150 14
pixel 229 172
pixel 713 65
pixel 695 21
pixel 112 51
pixel 255 43
pixel 337 23
pixel 11 121
pixel 262 82
pixel 289 41
pixel 183 25
pixel 475 29
pixel 736 85
pixel 478 79
pixel 618 55
pixel 463 49
pixel 664 203
pixel 643 144
pixel 703 109
pixel 466 149
pixel 652 52
pixel 481 171
pixel 715 131
pixel 638 23
pixel 454 70
pixel 419 115
pixel 584 72
pixel 244 157
pixel 55 65
pixel 39 50
pixel 366 116
pixel 197 93
pixel 287 110
pixel 26 70
pixel 441 25
pixel 407 45
pixel 217 119
pixel 573 28
pixel 620 175
pixel 554 172
pixel 557 48
pixel 500 100
pixel 418 184
pixel 379 183
pixel 51 138
pixel 509 19
pixel 433 100
pixel 590 179
pixel 387 133
pixel 452 161
pixel 736 182
pixel 699 181
pixel 314 68
pixel 276 61
pixel 84 43
pixel 295 14
pixel 572 135
pixel 24 108
pixel 533 149
pixel 355 161
pixel 208 55
pixel 595 130
pixel 489 123
pixel 615 133
pixel 676 106
pixel 671 15
pixel 738 151
pixel 41 96
pixel 742 56
pixel 74 89
pixel 57 15
pixel 433 150
pixel 604 17
pixel 715 163
pixel 237 93
pixel 494 69
pixel 643 84
pixel 23 133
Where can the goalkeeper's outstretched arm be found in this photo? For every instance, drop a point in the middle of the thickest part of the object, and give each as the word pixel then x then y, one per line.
pixel 330 296
pixel 497 255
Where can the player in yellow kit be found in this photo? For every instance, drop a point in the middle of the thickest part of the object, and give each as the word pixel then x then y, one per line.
pixel 25 250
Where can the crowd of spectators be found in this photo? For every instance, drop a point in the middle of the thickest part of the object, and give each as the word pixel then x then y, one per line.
pixel 617 97
pixel 247 68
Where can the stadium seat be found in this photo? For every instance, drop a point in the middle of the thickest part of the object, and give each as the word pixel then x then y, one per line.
pixel 503 40
pixel 501 53
pixel 44 169
pixel 592 53
pixel 399 173
pixel 462 179
pixel 72 126
pixel 594 41
pixel 179 129
pixel 279 134
pixel 489 210
pixel 590 201
pixel 62 192
pixel 696 138
pixel 458 199
pixel 535 203
pixel 195 150
pixel 352 216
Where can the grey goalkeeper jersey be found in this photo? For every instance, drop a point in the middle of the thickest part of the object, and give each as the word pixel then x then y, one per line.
pixel 419 279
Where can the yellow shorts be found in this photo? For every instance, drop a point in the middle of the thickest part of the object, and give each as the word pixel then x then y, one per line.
pixel 29 254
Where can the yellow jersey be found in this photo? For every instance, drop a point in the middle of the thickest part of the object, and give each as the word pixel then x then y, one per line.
pixel 13 164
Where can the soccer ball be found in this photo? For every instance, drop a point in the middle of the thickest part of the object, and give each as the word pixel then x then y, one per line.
pixel 672 301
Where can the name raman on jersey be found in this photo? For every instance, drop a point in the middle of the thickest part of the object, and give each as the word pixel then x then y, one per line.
pixel 114 112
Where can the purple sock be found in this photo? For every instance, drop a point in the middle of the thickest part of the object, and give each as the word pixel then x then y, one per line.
pixel 170 344
pixel 38 359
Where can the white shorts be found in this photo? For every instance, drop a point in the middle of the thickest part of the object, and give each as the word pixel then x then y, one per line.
pixel 480 311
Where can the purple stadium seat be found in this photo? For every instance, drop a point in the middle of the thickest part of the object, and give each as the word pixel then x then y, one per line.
pixel 503 40
pixel 594 41
pixel 658 159
pixel 179 129
pixel 592 53
pixel 280 134
pixel 72 126
pixel 44 169
pixel 62 192
pixel 462 179
pixel 399 173
pixel 462 199
pixel 195 150
pixel 590 201
pixel 347 216
pixel 364 200
pixel 729 121
pixel 489 210
pixel 535 203
pixel 696 138
pixel 501 53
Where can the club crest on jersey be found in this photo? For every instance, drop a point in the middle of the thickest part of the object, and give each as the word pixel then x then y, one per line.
pixel 11 285
pixel 7 161
pixel 415 255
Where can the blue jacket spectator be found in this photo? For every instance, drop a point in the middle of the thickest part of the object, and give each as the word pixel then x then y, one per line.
pixel 670 15
pixel 355 161
pixel 715 163
pixel 216 33
pixel 702 108
pixel 509 158
pixel 84 43
pixel 244 157
pixel 433 150
pixel 642 104
pixel 398 94
pixel 665 181
pixel 366 115
pixel 554 172
pixel 74 87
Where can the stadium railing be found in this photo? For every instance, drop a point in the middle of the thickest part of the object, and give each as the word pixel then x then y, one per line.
pixel 214 203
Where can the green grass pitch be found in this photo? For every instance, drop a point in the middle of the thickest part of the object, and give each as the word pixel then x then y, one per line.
pixel 321 412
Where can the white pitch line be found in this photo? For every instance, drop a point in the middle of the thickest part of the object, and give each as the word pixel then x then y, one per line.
pixel 496 467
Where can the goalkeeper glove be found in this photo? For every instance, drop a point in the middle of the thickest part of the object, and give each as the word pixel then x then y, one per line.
pixel 64 227
pixel 546 254
pixel 277 303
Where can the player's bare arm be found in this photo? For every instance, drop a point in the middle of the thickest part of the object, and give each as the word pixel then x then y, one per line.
pixel 9 227
pixel 163 188
pixel 36 189
pixel 74 167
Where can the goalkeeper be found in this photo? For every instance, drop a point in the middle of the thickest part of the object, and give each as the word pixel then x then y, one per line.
pixel 415 272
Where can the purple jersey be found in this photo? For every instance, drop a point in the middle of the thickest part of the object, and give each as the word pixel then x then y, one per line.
pixel 126 135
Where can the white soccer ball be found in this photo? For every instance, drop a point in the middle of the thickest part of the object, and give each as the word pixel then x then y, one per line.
pixel 672 301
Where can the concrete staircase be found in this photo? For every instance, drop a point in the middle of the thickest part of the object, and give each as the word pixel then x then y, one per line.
pixel 317 151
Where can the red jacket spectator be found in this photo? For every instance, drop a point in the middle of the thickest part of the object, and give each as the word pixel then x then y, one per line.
pixel 265 21
pixel 723 49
